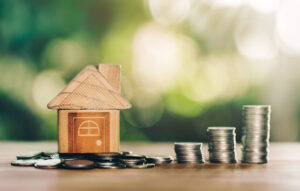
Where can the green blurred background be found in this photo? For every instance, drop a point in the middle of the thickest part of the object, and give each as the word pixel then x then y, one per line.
pixel 186 64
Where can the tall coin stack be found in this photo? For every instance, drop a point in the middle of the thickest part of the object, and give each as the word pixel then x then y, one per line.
pixel 256 133
pixel 222 144
pixel 189 152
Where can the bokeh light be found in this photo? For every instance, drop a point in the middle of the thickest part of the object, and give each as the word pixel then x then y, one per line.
pixel 148 109
pixel 45 87
pixel 64 54
pixel 255 37
pixel 288 27
pixel 226 3
pixel 157 59
pixel 168 12
pixel 265 7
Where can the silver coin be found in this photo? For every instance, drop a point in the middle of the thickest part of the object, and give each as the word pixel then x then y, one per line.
pixel 133 161
pixel 221 129
pixel 184 145
pixel 19 162
pixel 188 150
pixel 104 157
pixel 126 152
pixel 257 160
pixel 133 156
pixel 221 150
pixel 107 163
pixel 258 118
pixel 258 149
pixel 159 159
pixel 49 153
pixel 55 156
pixel 142 166
pixel 257 107
pixel 48 164
pixel 221 136
pixel 78 164
pixel 120 166
pixel 190 157
pixel 112 154
pixel 29 155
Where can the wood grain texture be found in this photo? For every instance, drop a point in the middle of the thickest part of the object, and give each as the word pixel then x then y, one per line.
pixel 112 74
pixel 64 131
pixel 90 90
pixel 281 173
pixel 62 127
pixel 114 131
pixel 86 129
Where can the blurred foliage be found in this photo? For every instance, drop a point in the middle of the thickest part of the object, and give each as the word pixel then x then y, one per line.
pixel 195 82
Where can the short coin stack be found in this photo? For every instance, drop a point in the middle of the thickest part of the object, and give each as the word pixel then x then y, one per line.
pixel 189 152
pixel 107 160
pixel 222 144
pixel 256 133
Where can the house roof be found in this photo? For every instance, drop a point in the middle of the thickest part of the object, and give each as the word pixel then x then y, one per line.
pixel 89 90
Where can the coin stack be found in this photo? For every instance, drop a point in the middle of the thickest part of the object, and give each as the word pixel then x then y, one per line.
pixel 189 152
pixel 256 133
pixel 107 160
pixel 222 144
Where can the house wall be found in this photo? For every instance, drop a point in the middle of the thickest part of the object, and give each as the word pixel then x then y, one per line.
pixel 63 129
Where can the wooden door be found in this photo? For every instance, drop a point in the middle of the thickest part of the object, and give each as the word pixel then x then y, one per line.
pixel 88 132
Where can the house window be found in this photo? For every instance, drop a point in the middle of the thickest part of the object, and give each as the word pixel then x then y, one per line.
pixel 88 128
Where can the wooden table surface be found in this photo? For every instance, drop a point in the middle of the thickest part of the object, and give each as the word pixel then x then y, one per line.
pixel 281 173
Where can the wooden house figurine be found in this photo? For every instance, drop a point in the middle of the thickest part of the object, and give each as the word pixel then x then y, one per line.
pixel 88 111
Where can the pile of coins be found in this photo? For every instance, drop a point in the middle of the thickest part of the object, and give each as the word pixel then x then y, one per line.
pixel 189 152
pixel 222 144
pixel 52 160
pixel 256 133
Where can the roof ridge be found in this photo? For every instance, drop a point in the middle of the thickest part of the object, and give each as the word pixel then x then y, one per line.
pixel 88 98
pixel 91 84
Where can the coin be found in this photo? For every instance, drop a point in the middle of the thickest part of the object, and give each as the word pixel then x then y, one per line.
pixel 112 154
pixel 133 156
pixel 112 167
pixel 78 164
pixel 20 162
pixel 104 157
pixel 128 162
pixel 109 165
pixel 126 152
pixel 55 156
pixel 48 164
pixel 49 153
pixel 143 166
pixel 158 160
pixel 29 155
